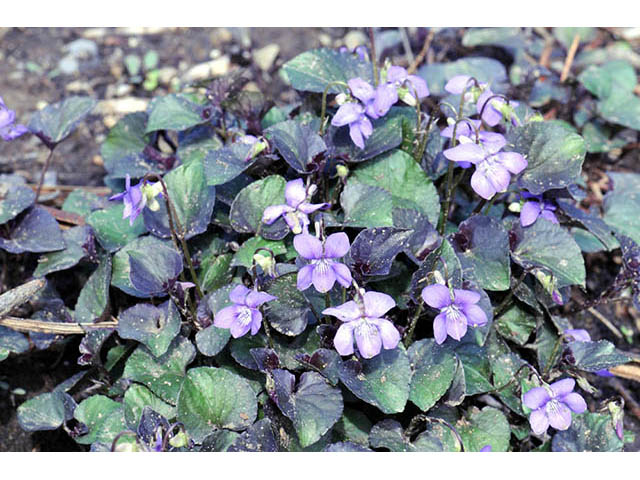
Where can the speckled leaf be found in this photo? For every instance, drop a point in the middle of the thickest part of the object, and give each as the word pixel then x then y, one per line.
pixel 113 231
pixel 382 381
pixel 389 434
pixel 75 239
pixel 122 151
pixel 504 367
pixel 147 247
pixel 249 206
pixel 477 371
pixel 622 108
pixel 154 271
pixel 136 398
pixel 192 201
pixel 547 245
pixel 373 250
pixel 482 246
pixel 516 324
pixel 163 375
pixel 621 205
pixel 346 447
pixel 174 112
pixel 589 432
pixel 257 438
pixel 14 199
pixel 93 300
pixel 594 356
pixel 215 398
pixel 432 368
pixel 103 417
pixel 290 313
pixel 225 164
pixel 435 261
pixel 55 122
pixel 34 231
pixel 400 176
pixel 12 341
pixel 298 144
pixel 314 70
pixel 356 198
pixel 197 143
pixel 592 223
pixel 152 326
pixel 47 411
pixel 488 426
pixel 555 155
pixel 483 69
pixel 313 406
pixel 603 80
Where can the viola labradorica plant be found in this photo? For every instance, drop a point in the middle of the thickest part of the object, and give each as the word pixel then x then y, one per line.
pixel 244 315
pixel 552 405
pixel 320 275
pixel 297 209
pixel 363 322
pixel 322 270
pixel 458 309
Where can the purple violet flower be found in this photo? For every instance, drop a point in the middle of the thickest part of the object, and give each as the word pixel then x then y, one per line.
pixel 363 322
pixel 536 207
pixel 297 209
pixel 134 200
pixel 486 448
pixel 353 114
pixel 457 311
pixel 243 315
pixel 456 85
pixel 9 130
pixel 417 86
pixel 553 404
pixel 377 102
pixel 493 168
pixel 323 269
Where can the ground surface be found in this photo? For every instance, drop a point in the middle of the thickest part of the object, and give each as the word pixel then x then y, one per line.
pixel 31 61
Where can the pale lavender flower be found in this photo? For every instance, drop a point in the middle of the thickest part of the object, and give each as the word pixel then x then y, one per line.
pixel 363 322
pixel 416 85
pixel 134 200
pixel 9 130
pixel 467 131
pixel 461 83
pixel 377 101
pixel 553 404
pixel 491 113
pixel 536 207
pixel 457 311
pixel 243 315
pixel 297 209
pixel 353 114
pixel 486 448
pixel 323 270
pixel 577 335
pixel 493 168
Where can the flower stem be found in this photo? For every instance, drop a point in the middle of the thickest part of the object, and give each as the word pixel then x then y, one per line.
pixel 552 357
pixel 499 310
pixel 44 171
pixel 323 111
pixel 374 58
pixel 408 339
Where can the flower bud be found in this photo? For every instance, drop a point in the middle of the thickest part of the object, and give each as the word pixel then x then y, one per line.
pixel 179 440
pixel 266 262
pixel 342 171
